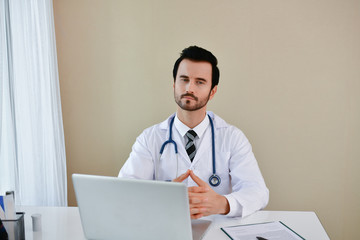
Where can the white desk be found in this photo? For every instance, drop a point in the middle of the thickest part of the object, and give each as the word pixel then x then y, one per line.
pixel 64 223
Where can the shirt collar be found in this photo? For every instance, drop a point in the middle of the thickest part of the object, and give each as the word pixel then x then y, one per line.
pixel 199 129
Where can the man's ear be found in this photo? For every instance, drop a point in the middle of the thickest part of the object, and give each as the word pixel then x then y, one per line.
pixel 212 92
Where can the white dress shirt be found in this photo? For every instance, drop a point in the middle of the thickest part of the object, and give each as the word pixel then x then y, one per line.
pixel 199 129
pixel 241 180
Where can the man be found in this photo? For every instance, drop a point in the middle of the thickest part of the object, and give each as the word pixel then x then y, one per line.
pixel 238 188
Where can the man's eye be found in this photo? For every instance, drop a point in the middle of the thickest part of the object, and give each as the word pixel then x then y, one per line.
pixel 200 82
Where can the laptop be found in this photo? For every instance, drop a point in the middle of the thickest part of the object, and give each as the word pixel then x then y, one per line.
pixel 118 208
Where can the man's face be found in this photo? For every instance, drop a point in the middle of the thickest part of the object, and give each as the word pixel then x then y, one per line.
pixel 192 86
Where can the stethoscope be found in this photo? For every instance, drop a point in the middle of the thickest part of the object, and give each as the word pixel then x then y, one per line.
pixel 214 179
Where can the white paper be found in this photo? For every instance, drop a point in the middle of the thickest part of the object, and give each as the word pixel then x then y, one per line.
pixel 271 230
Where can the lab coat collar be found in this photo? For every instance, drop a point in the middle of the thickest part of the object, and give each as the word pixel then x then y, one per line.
pixel 165 124
pixel 218 122
pixel 199 129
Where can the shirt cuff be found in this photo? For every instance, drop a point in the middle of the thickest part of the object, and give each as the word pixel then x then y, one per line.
pixel 235 207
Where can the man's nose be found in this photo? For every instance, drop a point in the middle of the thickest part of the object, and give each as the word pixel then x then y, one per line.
pixel 190 86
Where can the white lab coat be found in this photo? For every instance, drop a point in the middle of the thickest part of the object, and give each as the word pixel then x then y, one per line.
pixel 241 180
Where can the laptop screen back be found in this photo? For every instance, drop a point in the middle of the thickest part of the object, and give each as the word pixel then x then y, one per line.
pixel 116 208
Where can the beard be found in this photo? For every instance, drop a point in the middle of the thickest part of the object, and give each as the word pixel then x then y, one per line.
pixel 186 105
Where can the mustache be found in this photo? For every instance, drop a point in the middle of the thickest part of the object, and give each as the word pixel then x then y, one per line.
pixel 189 95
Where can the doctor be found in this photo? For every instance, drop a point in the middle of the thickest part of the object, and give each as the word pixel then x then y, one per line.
pixel 199 148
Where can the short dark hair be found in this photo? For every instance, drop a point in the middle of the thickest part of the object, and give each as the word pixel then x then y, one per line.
pixel 199 54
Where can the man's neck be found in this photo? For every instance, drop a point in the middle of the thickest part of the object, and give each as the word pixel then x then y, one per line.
pixel 191 118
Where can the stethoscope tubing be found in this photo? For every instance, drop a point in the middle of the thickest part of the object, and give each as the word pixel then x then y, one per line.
pixel 214 179
pixel 170 140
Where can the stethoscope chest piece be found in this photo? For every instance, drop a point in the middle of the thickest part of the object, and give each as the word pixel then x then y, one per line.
pixel 214 180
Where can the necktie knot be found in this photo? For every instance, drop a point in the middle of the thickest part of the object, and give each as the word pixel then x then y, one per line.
pixel 190 146
pixel 191 135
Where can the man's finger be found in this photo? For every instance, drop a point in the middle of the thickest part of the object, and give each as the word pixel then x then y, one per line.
pixel 196 179
pixel 198 196
pixel 195 200
pixel 182 177
pixel 196 216
pixel 197 210
pixel 196 189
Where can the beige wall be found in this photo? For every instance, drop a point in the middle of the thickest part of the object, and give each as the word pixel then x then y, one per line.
pixel 290 79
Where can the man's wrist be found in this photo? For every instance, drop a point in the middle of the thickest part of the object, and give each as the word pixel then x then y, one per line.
pixel 224 206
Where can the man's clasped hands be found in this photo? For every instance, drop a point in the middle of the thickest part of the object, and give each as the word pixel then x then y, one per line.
pixel 203 200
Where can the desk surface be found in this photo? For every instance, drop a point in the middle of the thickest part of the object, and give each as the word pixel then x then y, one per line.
pixel 64 223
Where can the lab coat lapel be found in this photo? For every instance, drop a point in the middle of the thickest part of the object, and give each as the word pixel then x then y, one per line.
pixel 204 149
pixel 181 149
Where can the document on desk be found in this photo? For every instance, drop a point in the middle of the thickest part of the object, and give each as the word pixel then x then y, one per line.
pixel 261 231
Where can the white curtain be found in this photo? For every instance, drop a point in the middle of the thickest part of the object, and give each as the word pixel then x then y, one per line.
pixel 32 148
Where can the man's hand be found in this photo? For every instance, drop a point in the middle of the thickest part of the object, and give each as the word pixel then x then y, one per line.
pixel 203 200
pixel 182 177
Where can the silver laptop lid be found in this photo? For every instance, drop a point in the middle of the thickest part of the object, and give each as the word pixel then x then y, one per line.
pixel 117 208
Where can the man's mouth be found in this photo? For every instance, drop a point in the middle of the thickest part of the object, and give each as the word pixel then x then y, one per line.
pixel 189 96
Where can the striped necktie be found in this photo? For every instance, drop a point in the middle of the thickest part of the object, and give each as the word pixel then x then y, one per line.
pixel 190 146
